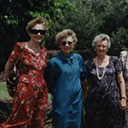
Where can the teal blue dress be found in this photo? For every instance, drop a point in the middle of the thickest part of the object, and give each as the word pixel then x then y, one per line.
pixel 64 76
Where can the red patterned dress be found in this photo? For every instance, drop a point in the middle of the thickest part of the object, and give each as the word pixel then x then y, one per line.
pixel 30 100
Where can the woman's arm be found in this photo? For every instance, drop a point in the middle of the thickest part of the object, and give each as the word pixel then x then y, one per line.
pixel 84 88
pixel 123 91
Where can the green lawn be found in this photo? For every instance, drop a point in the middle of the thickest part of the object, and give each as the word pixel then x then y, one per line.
pixel 3 92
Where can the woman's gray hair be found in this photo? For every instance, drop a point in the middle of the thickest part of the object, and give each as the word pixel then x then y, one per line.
pixel 101 37
pixel 66 33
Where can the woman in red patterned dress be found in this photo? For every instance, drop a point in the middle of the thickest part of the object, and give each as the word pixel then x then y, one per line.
pixel 30 100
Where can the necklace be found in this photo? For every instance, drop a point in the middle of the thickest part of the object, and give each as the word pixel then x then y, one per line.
pixel 97 71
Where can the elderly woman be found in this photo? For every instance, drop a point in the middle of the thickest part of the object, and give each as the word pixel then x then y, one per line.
pixel 64 75
pixel 107 96
pixel 30 99
pixel 124 59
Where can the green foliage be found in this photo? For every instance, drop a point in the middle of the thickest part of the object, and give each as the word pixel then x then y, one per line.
pixel 86 17
pixel 120 40
pixel 93 17
pixel 15 15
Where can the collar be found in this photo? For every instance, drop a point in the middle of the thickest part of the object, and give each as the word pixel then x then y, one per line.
pixel 62 56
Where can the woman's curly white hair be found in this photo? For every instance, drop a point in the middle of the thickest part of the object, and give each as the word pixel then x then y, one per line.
pixel 101 37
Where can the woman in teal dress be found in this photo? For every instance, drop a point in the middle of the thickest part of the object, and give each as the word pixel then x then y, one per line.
pixel 64 75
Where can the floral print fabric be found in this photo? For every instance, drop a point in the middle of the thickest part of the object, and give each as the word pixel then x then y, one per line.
pixel 102 105
pixel 30 101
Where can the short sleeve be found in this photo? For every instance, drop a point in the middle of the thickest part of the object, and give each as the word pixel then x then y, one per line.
pixel 82 67
pixel 118 65
pixel 51 73
pixel 15 52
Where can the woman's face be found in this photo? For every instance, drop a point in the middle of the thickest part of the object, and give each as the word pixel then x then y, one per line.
pixel 66 45
pixel 37 33
pixel 102 47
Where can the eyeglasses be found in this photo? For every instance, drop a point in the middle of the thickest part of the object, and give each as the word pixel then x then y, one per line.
pixel 64 43
pixel 35 31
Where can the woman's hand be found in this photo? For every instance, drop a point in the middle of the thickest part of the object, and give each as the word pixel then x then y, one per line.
pixel 123 102
pixel 123 91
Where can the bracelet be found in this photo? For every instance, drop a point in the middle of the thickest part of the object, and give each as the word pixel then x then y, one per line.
pixel 123 97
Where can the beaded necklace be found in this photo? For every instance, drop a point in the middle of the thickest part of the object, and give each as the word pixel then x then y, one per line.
pixel 97 71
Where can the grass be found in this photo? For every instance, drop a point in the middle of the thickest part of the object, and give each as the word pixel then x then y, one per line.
pixel 3 92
